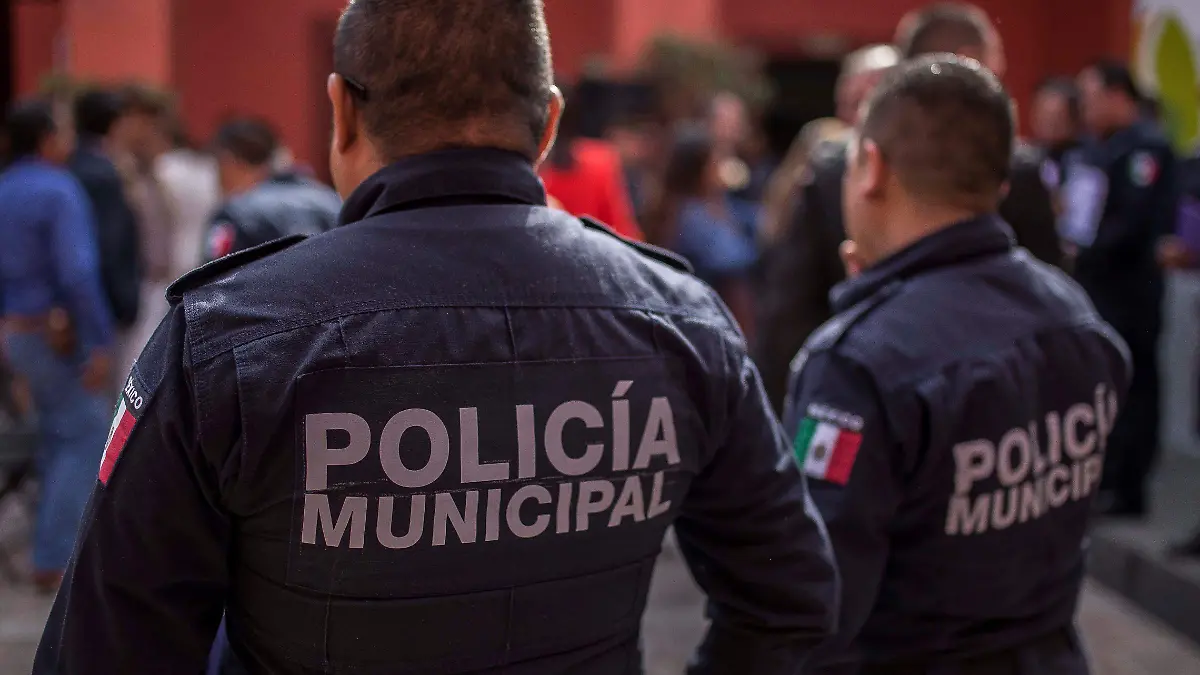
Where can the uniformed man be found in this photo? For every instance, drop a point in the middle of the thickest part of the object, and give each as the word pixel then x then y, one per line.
pixel 263 202
pixel 1120 199
pixel 952 418
pixel 801 274
pixel 449 435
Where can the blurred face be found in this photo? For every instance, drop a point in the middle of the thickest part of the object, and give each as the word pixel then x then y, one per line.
pixel 729 127
pixel 1051 119
pixel 866 198
pixel 235 176
pixel 853 92
pixel 1095 102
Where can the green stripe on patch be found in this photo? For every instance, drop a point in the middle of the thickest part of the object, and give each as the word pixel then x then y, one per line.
pixel 808 426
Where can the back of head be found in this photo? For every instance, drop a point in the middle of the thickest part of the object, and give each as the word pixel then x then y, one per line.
pixel 433 74
pixel 944 126
pixel 1110 96
pixel 29 124
pixel 96 111
pixel 250 141
pixel 945 27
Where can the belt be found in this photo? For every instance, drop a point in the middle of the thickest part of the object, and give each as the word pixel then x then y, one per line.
pixel 1001 662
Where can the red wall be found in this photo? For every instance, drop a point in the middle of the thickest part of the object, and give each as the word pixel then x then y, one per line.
pixel 269 57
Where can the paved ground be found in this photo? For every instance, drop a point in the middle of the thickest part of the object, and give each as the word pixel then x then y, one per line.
pixel 1122 640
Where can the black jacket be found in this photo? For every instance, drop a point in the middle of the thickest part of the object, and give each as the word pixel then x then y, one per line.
pixel 446 437
pixel 117 232
pixel 952 421
pixel 805 266
pixel 281 206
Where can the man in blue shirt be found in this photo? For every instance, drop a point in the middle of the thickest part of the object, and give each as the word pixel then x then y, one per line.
pixel 58 324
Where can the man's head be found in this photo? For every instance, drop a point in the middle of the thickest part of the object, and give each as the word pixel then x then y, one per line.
pixel 955 28
pixel 98 112
pixel 414 76
pixel 39 130
pixel 933 147
pixel 861 71
pixel 1109 97
pixel 729 123
pixel 144 130
pixel 245 149
pixel 1056 117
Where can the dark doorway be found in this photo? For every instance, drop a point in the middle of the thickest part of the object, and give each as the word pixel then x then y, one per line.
pixel 7 51
pixel 804 91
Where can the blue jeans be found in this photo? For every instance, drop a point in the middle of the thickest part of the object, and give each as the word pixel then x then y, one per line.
pixel 72 427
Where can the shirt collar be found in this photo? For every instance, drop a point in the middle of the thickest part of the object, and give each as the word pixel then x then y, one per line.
pixel 961 241
pixel 482 174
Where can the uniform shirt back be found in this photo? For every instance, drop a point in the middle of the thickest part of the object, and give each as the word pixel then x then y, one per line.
pixel 952 421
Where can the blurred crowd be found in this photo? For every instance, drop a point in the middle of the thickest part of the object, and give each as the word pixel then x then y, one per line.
pixel 135 205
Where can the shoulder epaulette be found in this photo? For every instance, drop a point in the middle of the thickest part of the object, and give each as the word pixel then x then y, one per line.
pixel 832 331
pixel 660 254
pixel 209 271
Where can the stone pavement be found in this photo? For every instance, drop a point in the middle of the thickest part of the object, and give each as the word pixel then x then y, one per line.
pixel 1122 640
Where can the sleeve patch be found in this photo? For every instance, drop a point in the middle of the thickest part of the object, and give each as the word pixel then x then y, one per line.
pixel 1143 169
pixel 221 240
pixel 129 410
pixel 826 451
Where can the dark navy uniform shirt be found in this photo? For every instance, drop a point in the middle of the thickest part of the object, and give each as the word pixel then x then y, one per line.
pixel 952 420
pixel 446 437
pixel 286 204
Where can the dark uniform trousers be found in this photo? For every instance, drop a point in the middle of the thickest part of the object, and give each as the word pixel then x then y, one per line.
pixel 1056 654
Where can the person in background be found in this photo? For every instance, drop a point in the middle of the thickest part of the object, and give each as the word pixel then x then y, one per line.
pixel 99 114
pixel 1121 198
pixel 58 323
pixel 586 177
pixel 801 282
pixel 745 166
pixel 262 203
pixel 860 73
pixel 693 216
pixel 190 180
pixel 633 137
pixel 1056 126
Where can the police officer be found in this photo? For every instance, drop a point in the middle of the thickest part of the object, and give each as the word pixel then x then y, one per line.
pixel 1121 197
pixel 262 202
pixel 804 270
pixel 952 417
pixel 449 435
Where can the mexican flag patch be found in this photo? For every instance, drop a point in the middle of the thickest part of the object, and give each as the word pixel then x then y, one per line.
pixel 825 450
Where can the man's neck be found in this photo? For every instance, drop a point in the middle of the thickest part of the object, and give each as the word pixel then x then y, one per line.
pixel 917 222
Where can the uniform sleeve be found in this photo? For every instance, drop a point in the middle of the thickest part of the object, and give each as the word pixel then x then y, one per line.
pixel 841 440
pixel 1142 205
pixel 145 589
pixel 755 544
pixel 77 264
pixel 799 278
pixel 222 236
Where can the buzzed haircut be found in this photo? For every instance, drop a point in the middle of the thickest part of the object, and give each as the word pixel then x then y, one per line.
pixel 96 111
pixel 448 72
pixel 1116 76
pixel 943 27
pixel 944 125
pixel 249 140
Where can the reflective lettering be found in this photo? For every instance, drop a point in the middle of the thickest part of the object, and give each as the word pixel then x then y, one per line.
pixel 562 520
pixel 657 505
pixel 1078 448
pixel 564 463
pixel 620 422
pixel 1014 470
pixel 439 448
pixel 659 436
pixel 472 470
pixel 630 503
pixel 319 515
pixel 1058 486
pixel 491 523
pixel 445 512
pixel 318 456
pixel 526 442
pixel 967 516
pixel 513 514
pixel 416 523
pixel 594 497
pixel 1004 507
pixel 973 461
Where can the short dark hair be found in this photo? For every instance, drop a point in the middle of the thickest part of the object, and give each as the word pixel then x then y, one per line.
pixel 29 124
pixel 96 110
pixel 945 126
pixel 248 139
pixel 439 73
pixel 943 27
pixel 1116 76
pixel 1064 87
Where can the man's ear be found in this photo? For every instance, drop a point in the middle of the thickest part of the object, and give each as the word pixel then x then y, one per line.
pixel 345 113
pixel 554 113
pixel 874 167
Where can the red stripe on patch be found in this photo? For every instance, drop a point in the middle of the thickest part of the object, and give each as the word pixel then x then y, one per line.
pixel 120 435
pixel 844 453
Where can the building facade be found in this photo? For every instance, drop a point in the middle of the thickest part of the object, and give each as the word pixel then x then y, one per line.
pixel 271 57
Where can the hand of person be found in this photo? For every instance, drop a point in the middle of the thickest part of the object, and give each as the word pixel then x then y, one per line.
pixel 1174 255
pixel 97 371
pixel 850 259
